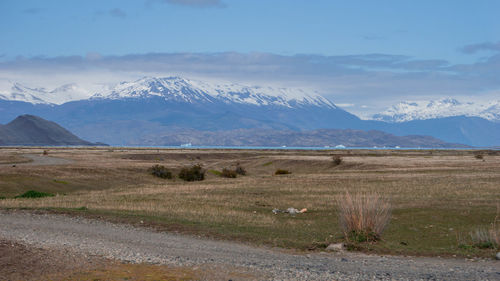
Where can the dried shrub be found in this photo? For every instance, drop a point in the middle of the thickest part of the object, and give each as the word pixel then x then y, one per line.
pixel 240 170
pixel 193 173
pixel 337 160
pixel 363 217
pixel 481 239
pixel 226 173
pixel 487 238
pixel 479 156
pixel 45 152
pixel 160 171
pixel 282 172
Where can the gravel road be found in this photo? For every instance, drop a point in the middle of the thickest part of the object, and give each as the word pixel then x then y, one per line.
pixel 126 243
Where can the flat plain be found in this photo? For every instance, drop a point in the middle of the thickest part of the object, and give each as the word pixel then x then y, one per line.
pixel 438 197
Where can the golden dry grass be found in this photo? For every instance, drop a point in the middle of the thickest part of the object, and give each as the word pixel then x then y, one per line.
pixel 363 215
pixel 431 191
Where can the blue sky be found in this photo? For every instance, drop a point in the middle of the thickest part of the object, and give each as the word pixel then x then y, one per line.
pixel 353 52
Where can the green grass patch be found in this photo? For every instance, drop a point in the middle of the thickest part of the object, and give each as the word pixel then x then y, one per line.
pixel 215 172
pixel 267 164
pixel 34 194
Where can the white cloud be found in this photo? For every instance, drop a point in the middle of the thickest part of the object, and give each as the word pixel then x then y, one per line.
pixel 376 80
pixel 345 104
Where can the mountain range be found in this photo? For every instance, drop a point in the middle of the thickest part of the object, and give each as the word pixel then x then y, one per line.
pixel 422 110
pixel 147 110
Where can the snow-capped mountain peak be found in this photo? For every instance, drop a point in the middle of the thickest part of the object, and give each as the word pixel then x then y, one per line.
pixel 18 92
pixel 177 89
pixel 187 90
pixel 447 107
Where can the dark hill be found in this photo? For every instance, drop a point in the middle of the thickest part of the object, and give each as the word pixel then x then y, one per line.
pixel 33 130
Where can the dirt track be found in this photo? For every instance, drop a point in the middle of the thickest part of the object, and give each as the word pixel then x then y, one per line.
pixel 126 243
pixel 39 160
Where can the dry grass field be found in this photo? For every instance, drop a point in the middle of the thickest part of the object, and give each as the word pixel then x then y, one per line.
pixel 438 197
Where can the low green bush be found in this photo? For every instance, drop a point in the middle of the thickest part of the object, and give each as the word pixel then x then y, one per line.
pixel 337 160
pixel 193 173
pixel 282 172
pixel 485 245
pixel 3 197
pixel 226 173
pixel 361 236
pixel 34 194
pixel 160 171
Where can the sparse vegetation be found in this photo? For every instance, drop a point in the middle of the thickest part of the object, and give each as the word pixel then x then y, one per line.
pixel 363 217
pixel 34 194
pixel 45 152
pixel 337 160
pixel 193 173
pixel 226 173
pixel 2 197
pixel 282 172
pixel 160 171
pixel 479 156
pixel 434 198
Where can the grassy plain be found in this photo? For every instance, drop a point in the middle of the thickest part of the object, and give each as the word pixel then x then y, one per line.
pixel 438 197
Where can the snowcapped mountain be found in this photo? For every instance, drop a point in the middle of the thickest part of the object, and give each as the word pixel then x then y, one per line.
pixel 422 110
pixel 170 89
pixel 190 91
pixel 128 112
pixel 14 91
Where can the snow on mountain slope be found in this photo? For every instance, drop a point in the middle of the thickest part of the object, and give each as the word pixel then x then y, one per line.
pixel 169 88
pixel 421 110
pixel 186 90
pixel 17 92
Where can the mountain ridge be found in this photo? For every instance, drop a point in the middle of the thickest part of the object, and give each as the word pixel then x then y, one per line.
pixel 446 107
pixel 129 111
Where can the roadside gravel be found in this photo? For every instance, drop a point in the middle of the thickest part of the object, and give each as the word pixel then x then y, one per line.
pixel 126 243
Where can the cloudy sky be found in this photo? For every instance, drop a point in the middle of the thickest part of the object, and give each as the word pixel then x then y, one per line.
pixel 364 55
